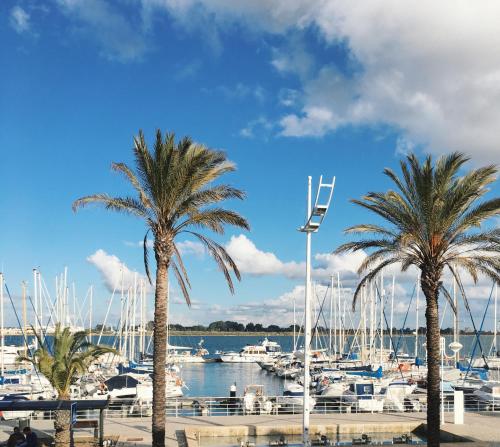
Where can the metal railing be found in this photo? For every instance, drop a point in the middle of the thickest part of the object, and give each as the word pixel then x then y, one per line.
pixel 226 406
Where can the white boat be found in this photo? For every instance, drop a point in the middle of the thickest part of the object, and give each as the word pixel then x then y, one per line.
pixel 133 386
pixel 255 402
pixel 362 395
pixel 293 398
pixel 489 395
pixel 398 396
pixel 253 353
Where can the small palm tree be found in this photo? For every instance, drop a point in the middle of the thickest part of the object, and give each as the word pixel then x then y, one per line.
pixel 62 364
pixel 434 222
pixel 174 190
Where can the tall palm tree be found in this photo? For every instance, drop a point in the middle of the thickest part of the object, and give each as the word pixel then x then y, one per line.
pixel 434 221
pixel 62 364
pixel 174 190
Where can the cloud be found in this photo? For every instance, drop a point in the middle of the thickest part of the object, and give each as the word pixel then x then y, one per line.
pixel 252 261
pixel 260 127
pixel 188 70
pixel 429 70
pixel 19 20
pixel 120 38
pixel 238 92
pixel 191 248
pixel 186 247
pixel 114 272
pixel 255 262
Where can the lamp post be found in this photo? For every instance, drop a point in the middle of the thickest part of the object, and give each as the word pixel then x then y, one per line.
pixel 314 218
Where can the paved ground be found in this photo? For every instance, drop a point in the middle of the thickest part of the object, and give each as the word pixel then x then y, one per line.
pixel 137 433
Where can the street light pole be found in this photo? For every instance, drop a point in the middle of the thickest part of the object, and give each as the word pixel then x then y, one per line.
pixel 307 324
pixel 314 218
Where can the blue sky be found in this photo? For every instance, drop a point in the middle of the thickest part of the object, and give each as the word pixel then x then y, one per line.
pixel 306 88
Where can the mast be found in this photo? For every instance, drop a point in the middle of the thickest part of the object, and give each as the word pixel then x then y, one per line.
pixel 331 315
pixel 495 322
pixel 65 298
pixel 25 319
pixel 339 317
pixel 40 307
pixel 392 307
pixel 455 318
pixel 121 314
pixel 381 354
pixel 35 296
pixel 2 335
pixel 416 316
pixel 90 312
pixel 134 316
pixel 372 318
pixel 294 322
pixel 168 315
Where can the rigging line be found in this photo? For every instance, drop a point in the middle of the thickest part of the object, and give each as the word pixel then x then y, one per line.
pixel 387 324
pixel 319 313
pixel 17 318
pixel 478 335
pixel 45 339
pixel 406 317
pixel 466 302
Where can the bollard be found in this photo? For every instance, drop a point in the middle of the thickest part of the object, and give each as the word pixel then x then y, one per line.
pixel 458 407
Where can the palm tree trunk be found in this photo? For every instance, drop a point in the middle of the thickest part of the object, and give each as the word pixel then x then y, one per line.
pixel 160 354
pixel 431 291
pixel 62 426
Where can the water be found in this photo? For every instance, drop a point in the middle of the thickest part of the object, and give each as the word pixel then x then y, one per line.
pixel 339 439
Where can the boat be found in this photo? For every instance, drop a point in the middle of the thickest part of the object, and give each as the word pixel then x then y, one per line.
pixel 293 398
pixel 488 396
pixel 253 353
pixel 255 401
pixel 362 396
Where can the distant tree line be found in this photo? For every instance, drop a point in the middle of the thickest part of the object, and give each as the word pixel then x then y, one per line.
pixel 233 326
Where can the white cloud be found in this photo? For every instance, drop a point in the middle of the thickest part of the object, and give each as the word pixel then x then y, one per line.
pixel 253 261
pixel 114 272
pixel 238 91
pixel 186 247
pixel 191 248
pixel 260 127
pixel 19 19
pixel 429 69
pixel 120 38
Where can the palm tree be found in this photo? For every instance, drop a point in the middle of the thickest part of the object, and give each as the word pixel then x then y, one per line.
pixel 433 221
pixel 174 190
pixel 62 363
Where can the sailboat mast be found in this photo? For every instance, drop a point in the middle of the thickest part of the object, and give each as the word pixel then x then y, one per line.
pixel 35 296
pixel 2 336
pixel 90 311
pixel 339 317
pixel 455 317
pixel 381 354
pixel 134 316
pixel 392 306
pixel 495 322
pixel 331 315
pixel 416 317
pixel 294 323
pixel 25 319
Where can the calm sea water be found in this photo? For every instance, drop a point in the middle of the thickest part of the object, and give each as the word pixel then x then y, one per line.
pixel 214 379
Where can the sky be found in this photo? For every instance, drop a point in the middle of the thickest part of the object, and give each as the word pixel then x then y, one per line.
pixel 288 89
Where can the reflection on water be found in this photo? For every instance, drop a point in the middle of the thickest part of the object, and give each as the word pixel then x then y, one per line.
pixel 292 441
